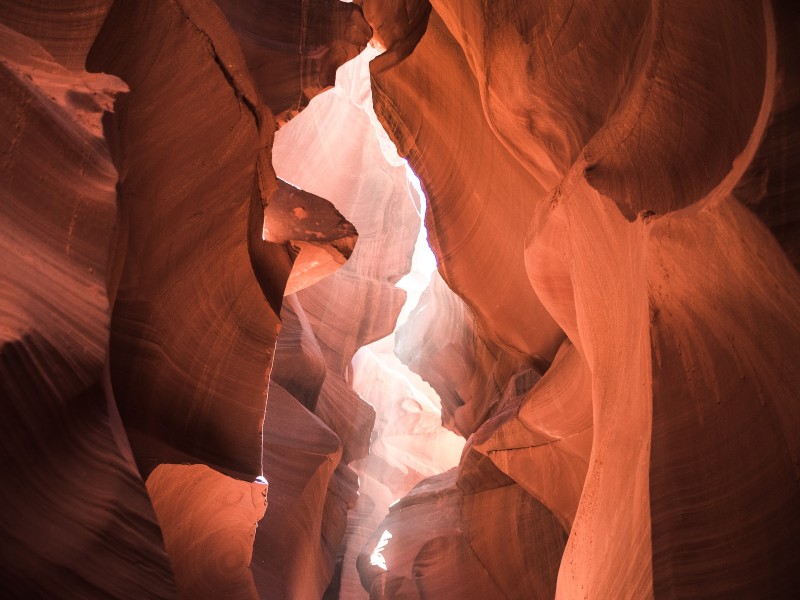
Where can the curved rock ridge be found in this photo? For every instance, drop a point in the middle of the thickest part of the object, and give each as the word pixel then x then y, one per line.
pixel 678 304
pixel 321 238
pixel 473 376
pixel 295 550
pixel 493 211
pixel 183 242
pixel 546 435
pixel 75 510
pixel 293 47
pixel 334 147
pixel 65 29
pixel 440 523
pixel 770 183
pixel 197 299
pixel 182 268
pixel 397 26
pixel 611 195
pixel 209 523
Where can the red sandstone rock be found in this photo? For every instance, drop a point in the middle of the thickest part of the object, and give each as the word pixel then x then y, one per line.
pixel 301 455
pixel 439 523
pixel 612 199
pixel 546 435
pixel 477 239
pixel 397 24
pixel 74 509
pixel 320 239
pixel 209 522
pixel 473 376
pixel 659 327
pixel 65 29
pixel 190 322
pixel 293 47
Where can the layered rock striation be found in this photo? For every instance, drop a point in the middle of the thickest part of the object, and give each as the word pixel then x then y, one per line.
pixel 203 389
pixel 633 138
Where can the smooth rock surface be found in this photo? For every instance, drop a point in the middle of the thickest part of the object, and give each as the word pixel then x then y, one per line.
pixel 191 300
pixel 75 510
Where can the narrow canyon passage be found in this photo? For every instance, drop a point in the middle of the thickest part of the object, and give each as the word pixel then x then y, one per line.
pixel 399 299
pixel 336 146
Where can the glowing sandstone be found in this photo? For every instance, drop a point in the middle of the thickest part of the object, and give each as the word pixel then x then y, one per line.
pixel 613 202
pixel 685 321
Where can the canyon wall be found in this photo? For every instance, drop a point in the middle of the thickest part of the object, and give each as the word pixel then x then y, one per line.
pixel 607 165
pixel 224 373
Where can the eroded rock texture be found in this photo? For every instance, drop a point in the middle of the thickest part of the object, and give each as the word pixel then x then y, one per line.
pixel 75 511
pixel 192 306
pixel 444 521
pixel 472 375
pixel 625 132
pixel 160 302
pixel 333 147
pixel 293 47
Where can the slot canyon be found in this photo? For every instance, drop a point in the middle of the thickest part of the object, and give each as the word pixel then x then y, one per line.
pixel 400 299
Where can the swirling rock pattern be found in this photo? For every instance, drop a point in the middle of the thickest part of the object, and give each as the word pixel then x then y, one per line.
pixel 293 558
pixel 679 334
pixel 75 510
pixel 545 435
pixel 612 198
pixel 190 269
pixel 501 298
pixel 441 522
pixel 293 47
pixel 209 523
pixel 175 291
pixel 66 30
pixel 472 375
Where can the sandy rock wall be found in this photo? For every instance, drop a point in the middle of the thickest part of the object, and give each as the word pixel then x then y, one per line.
pixel 201 392
pixel 141 326
pixel 75 510
pixel 637 242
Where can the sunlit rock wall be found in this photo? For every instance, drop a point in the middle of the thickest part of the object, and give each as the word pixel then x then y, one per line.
pixel 610 174
pixel 199 367
pixel 336 147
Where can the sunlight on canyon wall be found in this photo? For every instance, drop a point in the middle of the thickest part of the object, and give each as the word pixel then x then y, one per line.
pixel 245 384
pixel 337 145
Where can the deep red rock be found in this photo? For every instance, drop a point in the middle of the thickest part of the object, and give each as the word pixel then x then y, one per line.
pixel 75 510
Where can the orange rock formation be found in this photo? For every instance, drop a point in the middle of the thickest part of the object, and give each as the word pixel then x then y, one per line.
pixel 224 373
